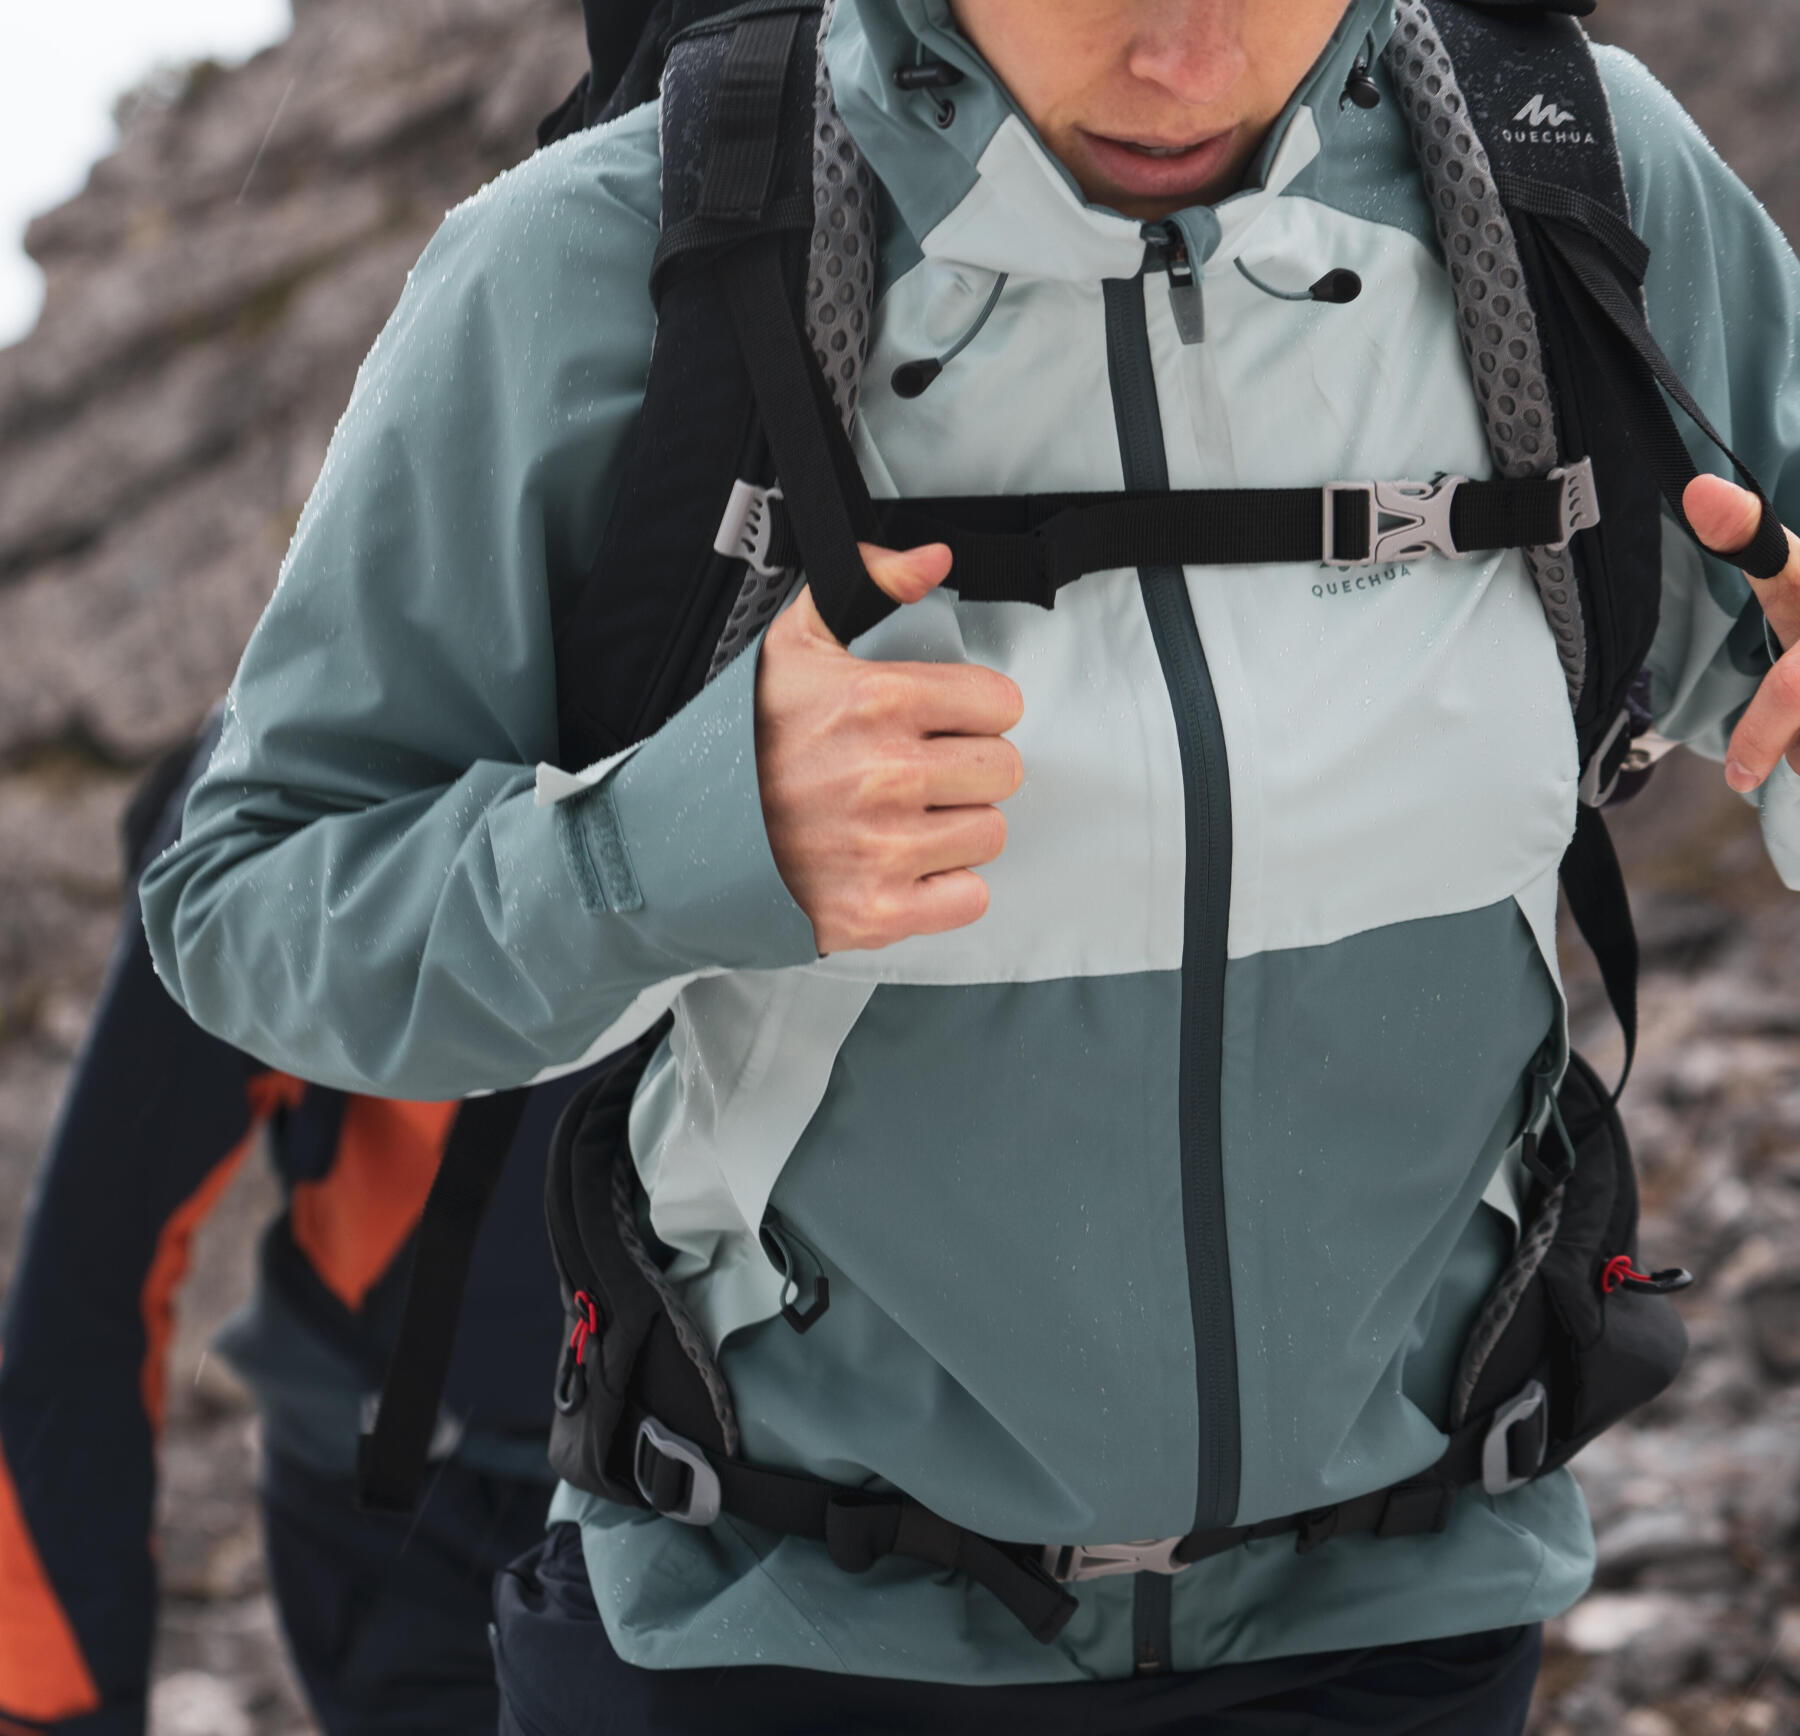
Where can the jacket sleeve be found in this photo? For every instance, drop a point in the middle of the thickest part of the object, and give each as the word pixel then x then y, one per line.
pixel 1724 301
pixel 366 892
pixel 156 1120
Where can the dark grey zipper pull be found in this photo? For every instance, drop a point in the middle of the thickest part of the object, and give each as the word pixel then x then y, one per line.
pixel 805 1290
pixel 1187 301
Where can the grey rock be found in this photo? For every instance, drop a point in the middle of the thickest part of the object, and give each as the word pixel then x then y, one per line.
pixel 1660 1536
pixel 1774 1312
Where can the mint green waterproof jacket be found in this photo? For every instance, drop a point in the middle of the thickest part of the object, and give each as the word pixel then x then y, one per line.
pixel 1161 1197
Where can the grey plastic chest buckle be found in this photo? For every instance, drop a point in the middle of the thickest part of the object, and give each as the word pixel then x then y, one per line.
pixel 747 531
pixel 1423 512
pixel 673 1475
pixel 1506 1463
pixel 1069 1563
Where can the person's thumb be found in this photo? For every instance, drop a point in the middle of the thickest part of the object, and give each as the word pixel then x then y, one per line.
pixel 905 574
pixel 1724 516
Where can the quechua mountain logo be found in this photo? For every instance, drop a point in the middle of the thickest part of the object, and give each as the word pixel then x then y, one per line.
pixel 1543 122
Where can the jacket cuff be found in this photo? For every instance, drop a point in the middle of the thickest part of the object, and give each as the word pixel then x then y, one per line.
pixel 672 838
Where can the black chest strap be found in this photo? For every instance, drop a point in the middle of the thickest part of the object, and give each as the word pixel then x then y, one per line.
pixel 1025 548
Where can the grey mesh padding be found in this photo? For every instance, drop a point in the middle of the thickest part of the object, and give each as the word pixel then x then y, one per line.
pixel 1494 314
pixel 687 1334
pixel 840 291
pixel 1502 1303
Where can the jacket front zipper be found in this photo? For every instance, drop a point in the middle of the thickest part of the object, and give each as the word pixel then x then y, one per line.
pixel 1206 784
pixel 1187 301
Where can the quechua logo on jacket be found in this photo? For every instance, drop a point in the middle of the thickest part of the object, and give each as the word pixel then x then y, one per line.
pixel 1543 122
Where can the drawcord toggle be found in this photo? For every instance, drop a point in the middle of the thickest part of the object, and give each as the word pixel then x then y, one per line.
pixel 1620 1274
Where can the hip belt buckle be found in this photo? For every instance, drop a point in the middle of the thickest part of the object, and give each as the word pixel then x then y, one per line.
pixel 1068 1563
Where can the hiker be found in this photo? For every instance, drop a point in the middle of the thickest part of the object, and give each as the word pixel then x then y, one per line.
pixel 1114 1236
pixel 386 1619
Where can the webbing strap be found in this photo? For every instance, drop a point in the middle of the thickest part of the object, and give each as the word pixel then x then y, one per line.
pixel 1581 238
pixel 859 1528
pixel 1601 906
pixel 827 500
pixel 391 1457
pixel 1413 1508
pixel 1024 548
pixel 747 119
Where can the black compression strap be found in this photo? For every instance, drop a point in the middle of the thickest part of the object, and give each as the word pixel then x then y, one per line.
pixel 1595 887
pixel 859 1529
pixel 1583 244
pixel 747 119
pixel 391 1457
pixel 1416 1507
pixel 825 496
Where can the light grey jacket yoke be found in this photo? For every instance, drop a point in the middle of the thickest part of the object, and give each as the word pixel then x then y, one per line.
pixel 1157 1197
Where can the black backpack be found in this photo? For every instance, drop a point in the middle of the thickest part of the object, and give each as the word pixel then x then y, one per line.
pixel 762 285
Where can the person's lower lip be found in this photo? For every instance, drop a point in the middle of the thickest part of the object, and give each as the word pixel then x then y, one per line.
pixel 1132 171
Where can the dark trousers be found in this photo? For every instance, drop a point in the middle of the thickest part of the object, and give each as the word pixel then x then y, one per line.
pixel 560 1677
pixel 387 1619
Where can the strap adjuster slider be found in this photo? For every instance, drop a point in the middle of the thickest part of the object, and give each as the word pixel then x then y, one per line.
pixel 1503 1468
pixel 673 1475
pixel 747 531
pixel 1580 500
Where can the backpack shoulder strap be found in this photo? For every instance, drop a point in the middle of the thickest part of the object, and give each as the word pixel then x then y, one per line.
pixel 767 251
pixel 1515 139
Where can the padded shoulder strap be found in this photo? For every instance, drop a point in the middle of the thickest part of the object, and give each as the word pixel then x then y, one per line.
pixel 1515 140
pixel 1492 97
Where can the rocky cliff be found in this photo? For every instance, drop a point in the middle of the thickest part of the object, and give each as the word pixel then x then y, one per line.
pixel 211 292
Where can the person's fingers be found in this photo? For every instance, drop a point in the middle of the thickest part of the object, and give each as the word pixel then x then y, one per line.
pixel 941 902
pixel 1726 518
pixel 961 699
pixel 1768 728
pixel 969 770
pixel 948 838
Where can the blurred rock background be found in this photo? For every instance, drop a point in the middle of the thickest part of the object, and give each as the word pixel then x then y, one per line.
pixel 210 295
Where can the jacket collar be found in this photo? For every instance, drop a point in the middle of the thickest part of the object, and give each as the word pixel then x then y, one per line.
pixel 984 192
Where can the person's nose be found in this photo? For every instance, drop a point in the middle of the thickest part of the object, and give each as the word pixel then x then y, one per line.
pixel 1192 50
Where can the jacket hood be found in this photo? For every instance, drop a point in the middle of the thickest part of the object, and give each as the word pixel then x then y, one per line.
pixel 984 191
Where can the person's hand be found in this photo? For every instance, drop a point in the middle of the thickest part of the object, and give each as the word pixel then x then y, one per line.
pixel 1725 518
pixel 879 779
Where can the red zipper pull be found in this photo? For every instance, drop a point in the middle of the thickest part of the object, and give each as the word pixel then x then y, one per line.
pixel 588 1326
